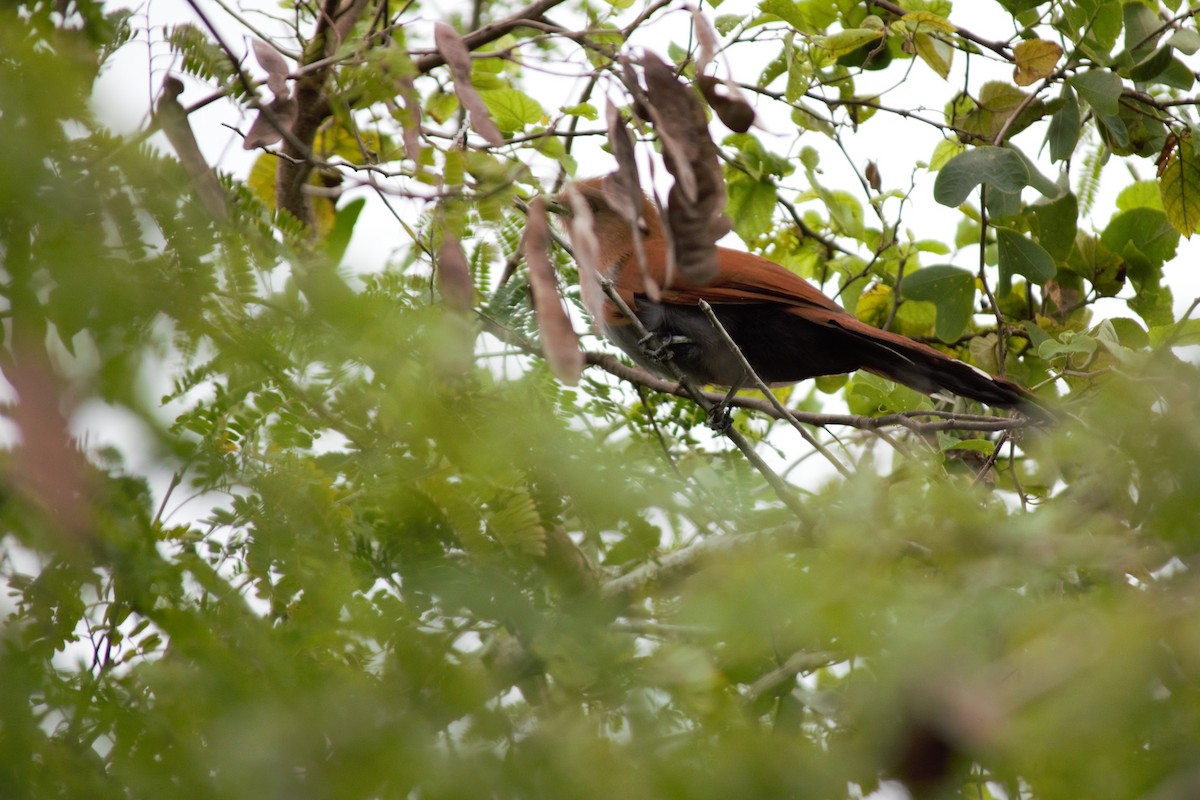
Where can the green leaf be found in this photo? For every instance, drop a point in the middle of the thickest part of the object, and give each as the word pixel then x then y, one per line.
pixel 1181 334
pixel 1154 304
pixel 1017 6
pixel 1068 344
pixel 1140 194
pixel 806 16
pixel 1104 268
pixel 1065 127
pixel 1142 27
pixel 1094 24
pixel 1054 225
pixel 845 212
pixel 1129 333
pixel 945 150
pixel 848 41
pixel 758 160
pixel 935 52
pixel 1145 229
pixel 1114 132
pixel 1179 187
pixel 726 23
pixel 343 228
pixel 1152 65
pixel 441 105
pixel 998 102
pixel 994 166
pixel 585 110
pixel 751 204
pixel 810 120
pixel 1020 255
pixel 799 71
pixel 974 445
pixel 923 15
pixel 1003 204
pixel 512 109
pixel 951 289
pixel 1100 88
pixel 514 522
pixel 1177 76
pixel 1185 40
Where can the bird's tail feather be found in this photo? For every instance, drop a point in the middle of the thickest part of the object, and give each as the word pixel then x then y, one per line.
pixel 930 371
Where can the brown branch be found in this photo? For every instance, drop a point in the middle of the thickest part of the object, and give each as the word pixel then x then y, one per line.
pixel 333 26
pixel 947 421
pixel 490 32
pixel 999 48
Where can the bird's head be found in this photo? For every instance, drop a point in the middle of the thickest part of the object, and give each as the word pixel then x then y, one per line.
pixel 596 203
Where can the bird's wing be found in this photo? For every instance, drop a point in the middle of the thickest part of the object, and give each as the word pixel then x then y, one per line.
pixel 743 278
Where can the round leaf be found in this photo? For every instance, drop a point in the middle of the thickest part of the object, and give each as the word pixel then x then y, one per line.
pixel 1022 256
pixel 1179 187
pixel 949 288
pixel 1036 58
pixel 1100 88
pixel 994 166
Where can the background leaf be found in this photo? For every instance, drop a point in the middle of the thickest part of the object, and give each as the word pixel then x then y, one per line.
pixel 951 289
pixel 994 166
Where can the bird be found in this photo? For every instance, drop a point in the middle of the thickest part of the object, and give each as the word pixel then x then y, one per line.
pixel 786 328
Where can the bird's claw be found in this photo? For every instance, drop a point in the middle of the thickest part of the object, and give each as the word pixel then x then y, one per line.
pixel 720 418
pixel 658 347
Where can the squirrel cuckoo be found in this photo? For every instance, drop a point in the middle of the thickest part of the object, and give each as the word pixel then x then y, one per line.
pixel 785 327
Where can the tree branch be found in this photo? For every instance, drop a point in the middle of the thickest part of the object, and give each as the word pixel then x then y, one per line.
pixel 490 32
pixel 948 421
pixel 999 48
pixel 685 561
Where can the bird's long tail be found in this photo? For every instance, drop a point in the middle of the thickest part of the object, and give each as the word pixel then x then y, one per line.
pixel 927 370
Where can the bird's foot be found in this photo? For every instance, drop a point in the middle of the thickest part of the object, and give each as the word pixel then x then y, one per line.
pixel 720 418
pixel 659 347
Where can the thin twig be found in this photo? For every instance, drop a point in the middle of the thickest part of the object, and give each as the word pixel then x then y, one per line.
pixel 490 32
pixel 950 421
pixel 991 459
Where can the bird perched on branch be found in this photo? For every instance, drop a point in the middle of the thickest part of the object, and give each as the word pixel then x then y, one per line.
pixel 786 328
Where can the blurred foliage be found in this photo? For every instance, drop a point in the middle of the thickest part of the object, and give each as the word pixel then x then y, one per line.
pixel 425 569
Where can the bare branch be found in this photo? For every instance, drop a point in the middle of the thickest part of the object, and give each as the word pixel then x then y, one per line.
pixel 491 32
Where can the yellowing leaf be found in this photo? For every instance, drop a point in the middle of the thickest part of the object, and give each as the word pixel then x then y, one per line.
pixel 848 41
pixel 261 182
pixel 934 52
pixel 946 149
pixel 874 305
pixel 916 19
pixel 1036 58
pixel 806 16
pixel 1179 187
